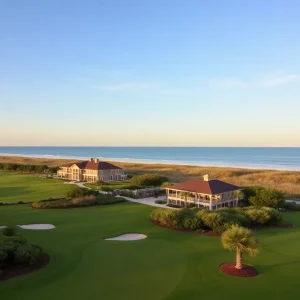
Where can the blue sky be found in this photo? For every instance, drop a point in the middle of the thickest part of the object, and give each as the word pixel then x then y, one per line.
pixel 150 72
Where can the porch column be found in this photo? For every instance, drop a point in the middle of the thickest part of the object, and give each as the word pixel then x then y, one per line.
pixel 210 202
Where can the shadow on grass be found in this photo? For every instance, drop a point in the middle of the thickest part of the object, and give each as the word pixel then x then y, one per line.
pixel 268 268
pixel 13 191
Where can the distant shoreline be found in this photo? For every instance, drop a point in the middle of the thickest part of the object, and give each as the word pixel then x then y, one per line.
pixel 64 159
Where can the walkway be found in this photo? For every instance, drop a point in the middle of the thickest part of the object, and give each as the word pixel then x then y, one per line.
pixel 147 201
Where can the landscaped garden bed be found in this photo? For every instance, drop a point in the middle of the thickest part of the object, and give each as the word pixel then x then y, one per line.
pixel 78 197
pixel 246 271
pixel 85 201
pixel 203 221
pixel 17 256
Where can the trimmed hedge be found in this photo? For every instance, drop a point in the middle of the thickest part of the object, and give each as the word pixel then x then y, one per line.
pixel 218 220
pixel 78 202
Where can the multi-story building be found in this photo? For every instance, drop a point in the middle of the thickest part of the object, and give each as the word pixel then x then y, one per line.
pixel 91 170
pixel 210 193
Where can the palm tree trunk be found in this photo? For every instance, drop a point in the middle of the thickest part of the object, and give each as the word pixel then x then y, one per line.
pixel 238 264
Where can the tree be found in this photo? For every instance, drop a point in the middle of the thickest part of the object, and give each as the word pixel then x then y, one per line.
pixel 268 198
pixel 185 196
pixel 238 195
pixel 240 239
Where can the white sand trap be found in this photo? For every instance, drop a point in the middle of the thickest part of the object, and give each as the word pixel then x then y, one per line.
pixel 128 237
pixel 37 226
pixel 1 227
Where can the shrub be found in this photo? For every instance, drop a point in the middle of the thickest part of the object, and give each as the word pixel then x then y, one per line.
pixel 168 217
pixel 192 223
pixel 268 198
pixel 174 205
pixel 77 202
pixel 148 180
pixel 28 255
pixel 78 192
pixel 10 231
pixel 166 184
pixel 85 201
pixel 275 216
pixel 258 216
pixel 160 201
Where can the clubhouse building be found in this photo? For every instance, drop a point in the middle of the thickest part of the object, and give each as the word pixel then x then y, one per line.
pixel 91 170
pixel 207 192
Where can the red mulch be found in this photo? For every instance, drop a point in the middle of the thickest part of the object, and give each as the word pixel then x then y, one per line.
pixel 12 271
pixel 247 271
pixel 206 233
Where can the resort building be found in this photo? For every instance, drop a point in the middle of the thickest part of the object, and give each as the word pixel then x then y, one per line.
pixel 207 192
pixel 91 170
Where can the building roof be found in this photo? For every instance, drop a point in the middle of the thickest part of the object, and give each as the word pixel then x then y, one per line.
pixel 93 165
pixel 210 187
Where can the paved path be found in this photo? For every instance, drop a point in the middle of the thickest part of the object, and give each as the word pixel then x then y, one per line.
pixel 147 201
pixel 80 184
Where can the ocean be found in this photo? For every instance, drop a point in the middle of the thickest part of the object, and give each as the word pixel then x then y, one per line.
pixel 254 158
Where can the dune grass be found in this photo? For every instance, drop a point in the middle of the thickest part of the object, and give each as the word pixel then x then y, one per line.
pixel 286 181
pixel 167 265
pixel 16 187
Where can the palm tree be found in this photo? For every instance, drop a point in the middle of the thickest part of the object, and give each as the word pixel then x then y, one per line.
pixel 238 194
pixel 240 239
pixel 185 196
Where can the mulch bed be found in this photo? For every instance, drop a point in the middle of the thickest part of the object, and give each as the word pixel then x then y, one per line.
pixel 206 233
pixel 247 271
pixel 12 271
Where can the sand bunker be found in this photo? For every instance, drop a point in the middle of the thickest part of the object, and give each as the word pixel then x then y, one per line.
pixel 1 227
pixel 37 226
pixel 128 237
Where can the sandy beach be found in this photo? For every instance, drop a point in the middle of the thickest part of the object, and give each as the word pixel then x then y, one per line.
pixel 286 181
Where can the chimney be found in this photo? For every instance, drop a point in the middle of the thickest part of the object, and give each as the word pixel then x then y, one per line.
pixel 91 159
pixel 97 160
pixel 207 177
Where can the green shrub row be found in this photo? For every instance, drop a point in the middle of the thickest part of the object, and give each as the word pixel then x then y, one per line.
pixel 77 202
pixel 218 220
pixel 14 249
pixel 28 168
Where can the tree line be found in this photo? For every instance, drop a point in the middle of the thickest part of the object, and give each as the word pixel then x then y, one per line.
pixel 28 168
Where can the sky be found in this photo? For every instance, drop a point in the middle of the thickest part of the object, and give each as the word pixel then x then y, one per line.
pixel 149 73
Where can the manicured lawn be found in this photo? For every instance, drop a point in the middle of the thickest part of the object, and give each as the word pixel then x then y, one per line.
pixel 167 265
pixel 16 187
pixel 118 185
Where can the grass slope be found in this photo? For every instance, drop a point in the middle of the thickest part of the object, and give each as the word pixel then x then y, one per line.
pixel 16 187
pixel 167 265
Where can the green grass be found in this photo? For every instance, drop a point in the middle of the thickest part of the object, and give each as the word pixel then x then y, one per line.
pixel 167 265
pixel 117 185
pixel 16 187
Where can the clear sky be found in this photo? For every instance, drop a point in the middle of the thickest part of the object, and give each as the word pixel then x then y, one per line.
pixel 150 72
